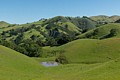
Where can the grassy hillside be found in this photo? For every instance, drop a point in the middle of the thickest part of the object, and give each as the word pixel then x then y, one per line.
pixel 53 27
pixel 92 51
pixel 89 60
pixel 107 19
pixel 104 71
pixel 55 31
pixel 3 24
pixel 102 31
pixel 15 66
pixel 100 61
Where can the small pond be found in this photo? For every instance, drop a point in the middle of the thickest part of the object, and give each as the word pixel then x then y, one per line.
pixel 49 64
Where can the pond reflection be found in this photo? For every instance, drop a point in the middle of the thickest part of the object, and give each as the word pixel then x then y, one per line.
pixel 49 64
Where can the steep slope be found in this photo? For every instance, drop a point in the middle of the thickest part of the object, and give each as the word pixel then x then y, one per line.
pixel 15 66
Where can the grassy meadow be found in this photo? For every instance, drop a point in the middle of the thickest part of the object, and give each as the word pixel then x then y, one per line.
pixel 90 55
pixel 100 61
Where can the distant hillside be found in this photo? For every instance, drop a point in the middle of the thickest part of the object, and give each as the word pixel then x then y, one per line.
pixel 56 31
pixel 103 32
pixel 3 24
pixel 105 19
pixel 118 21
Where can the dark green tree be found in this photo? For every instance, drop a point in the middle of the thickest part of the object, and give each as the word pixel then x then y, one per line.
pixel 32 49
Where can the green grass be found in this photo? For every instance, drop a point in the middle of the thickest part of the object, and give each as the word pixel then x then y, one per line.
pixel 3 24
pixel 44 59
pixel 103 18
pixel 89 60
pixel 28 34
pixel 71 27
pixel 91 50
pixel 104 30
pixel 104 71
pixel 15 66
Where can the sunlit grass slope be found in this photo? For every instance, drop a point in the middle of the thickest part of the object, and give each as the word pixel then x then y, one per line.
pixel 91 50
pixel 89 60
pixel 15 66
pixel 103 54
pixel 105 71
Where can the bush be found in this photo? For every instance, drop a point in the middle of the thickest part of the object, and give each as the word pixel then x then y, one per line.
pixel 61 59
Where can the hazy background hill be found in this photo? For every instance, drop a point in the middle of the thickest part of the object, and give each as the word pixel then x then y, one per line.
pixel 105 19
pixel 105 31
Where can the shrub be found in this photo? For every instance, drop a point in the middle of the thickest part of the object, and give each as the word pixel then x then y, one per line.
pixel 61 59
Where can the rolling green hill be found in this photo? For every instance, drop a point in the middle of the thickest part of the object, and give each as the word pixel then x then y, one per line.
pixel 95 55
pixel 3 24
pixel 53 27
pixel 91 50
pixel 89 59
pixel 15 66
pixel 102 31
pixel 55 31
pixel 105 19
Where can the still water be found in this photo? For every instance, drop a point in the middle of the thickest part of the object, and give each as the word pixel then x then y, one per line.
pixel 49 64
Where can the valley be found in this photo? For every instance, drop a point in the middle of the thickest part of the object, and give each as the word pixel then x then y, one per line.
pixel 83 48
